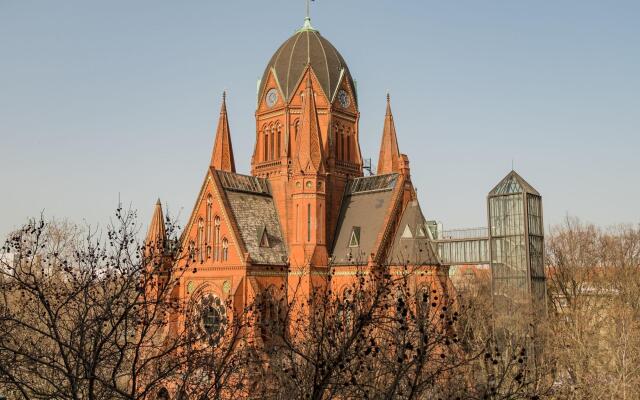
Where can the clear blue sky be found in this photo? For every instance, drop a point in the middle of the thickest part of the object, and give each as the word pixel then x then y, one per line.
pixel 107 98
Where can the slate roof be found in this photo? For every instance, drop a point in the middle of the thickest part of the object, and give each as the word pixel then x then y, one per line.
pixel 364 206
pixel 253 208
pixel 412 242
pixel 306 46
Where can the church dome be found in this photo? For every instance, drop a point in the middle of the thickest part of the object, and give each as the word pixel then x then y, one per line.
pixel 291 58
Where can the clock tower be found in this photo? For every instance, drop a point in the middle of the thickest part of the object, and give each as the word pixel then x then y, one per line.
pixel 307 142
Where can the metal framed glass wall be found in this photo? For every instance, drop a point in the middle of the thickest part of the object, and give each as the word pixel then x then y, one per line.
pixel 516 244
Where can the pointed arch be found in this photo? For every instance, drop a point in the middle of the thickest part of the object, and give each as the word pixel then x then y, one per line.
pixel 209 217
pixel 225 249
pixel 216 239
pixel 201 249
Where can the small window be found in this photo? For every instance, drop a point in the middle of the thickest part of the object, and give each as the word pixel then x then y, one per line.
pixel 354 240
pixel 420 231
pixel 225 249
pixel 263 237
pixel 407 234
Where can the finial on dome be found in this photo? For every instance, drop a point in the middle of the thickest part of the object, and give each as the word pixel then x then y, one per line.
pixel 307 25
pixel 307 20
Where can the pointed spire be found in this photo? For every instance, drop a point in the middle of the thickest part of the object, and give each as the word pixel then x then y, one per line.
pixel 157 233
pixel 310 156
pixel 222 155
pixel 389 159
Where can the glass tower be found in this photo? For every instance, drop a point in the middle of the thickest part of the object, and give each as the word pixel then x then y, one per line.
pixel 516 238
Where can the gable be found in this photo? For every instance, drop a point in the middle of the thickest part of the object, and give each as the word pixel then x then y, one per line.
pixel 321 99
pixel 411 244
pixel 209 237
pixel 350 106
pixel 363 215
pixel 254 210
pixel 271 83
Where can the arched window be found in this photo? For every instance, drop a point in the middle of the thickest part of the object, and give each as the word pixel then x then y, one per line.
pixel 338 135
pixel 201 240
pixel 265 149
pixel 225 249
pixel 348 138
pixel 192 250
pixel 271 316
pixel 209 220
pixel 163 394
pixel 216 239
pixel 272 150
pixel 278 141
pixel 319 224
pixel 308 222
pixel 297 222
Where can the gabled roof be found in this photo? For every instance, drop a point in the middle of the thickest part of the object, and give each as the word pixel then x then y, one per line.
pixel 512 184
pixel 250 201
pixel 412 244
pixel 365 207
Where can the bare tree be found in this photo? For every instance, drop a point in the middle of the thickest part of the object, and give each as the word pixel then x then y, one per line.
pixel 594 288
pixel 84 317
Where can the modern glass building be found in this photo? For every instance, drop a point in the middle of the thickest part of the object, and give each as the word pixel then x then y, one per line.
pixel 516 245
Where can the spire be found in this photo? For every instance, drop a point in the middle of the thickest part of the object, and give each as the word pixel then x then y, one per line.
pixel 310 156
pixel 222 156
pixel 389 159
pixel 157 233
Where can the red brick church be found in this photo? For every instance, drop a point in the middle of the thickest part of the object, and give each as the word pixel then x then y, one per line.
pixel 307 207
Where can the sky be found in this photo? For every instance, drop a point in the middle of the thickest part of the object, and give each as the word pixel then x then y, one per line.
pixel 102 101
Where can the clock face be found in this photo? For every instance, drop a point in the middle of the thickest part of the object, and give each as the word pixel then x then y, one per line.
pixel 343 98
pixel 272 97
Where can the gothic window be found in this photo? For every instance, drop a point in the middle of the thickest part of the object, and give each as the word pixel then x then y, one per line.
pixel 296 129
pixel 354 239
pixel 163 394
pixel 216 239
pixel 278 141
pixel 225 249
pixel 265 149
pixel 345 310
pixel 423 296
pixel 319 223
pixel 308 222
pixel 201 240
pixel 340 143
pixel 272 134
pixel 209 218
pixel 348 139
pixel 192 251
pixel 297 222
pixel 271 324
